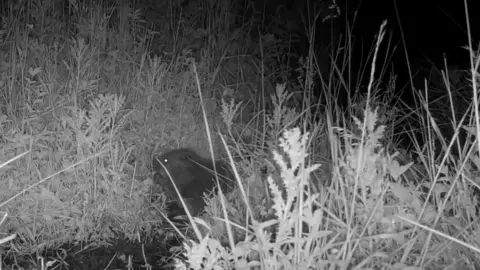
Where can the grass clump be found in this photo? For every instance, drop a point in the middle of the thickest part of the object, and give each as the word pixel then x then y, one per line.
pixel 319 185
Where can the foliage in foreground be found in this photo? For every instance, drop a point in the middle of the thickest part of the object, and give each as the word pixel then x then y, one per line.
pixel 84 117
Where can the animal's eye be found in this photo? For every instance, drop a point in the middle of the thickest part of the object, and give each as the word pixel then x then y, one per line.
pixel 165 161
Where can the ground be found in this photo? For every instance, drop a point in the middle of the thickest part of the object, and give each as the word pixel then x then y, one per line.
pixel 116 256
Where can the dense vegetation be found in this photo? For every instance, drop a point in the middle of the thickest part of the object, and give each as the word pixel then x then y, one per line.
pixel 90 92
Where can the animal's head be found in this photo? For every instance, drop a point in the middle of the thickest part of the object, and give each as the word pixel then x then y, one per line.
pixel 175 161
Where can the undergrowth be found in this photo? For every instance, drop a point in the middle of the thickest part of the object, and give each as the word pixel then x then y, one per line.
pixel 319 185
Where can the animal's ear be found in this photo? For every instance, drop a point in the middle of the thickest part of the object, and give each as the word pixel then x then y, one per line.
pixel 188 157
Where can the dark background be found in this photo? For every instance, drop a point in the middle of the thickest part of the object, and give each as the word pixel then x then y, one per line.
pixel 432 30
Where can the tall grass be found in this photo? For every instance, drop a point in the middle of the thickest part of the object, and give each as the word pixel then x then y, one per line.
pixel 323 188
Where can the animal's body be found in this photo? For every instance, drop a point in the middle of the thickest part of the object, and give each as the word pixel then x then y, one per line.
pixel 193 175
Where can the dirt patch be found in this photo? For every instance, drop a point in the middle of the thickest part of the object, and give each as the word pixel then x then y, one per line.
pixel 123 254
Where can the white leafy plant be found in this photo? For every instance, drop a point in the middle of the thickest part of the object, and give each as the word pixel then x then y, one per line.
pixel 298 239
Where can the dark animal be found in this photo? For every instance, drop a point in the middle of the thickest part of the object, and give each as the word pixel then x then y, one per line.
pixel 193 175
